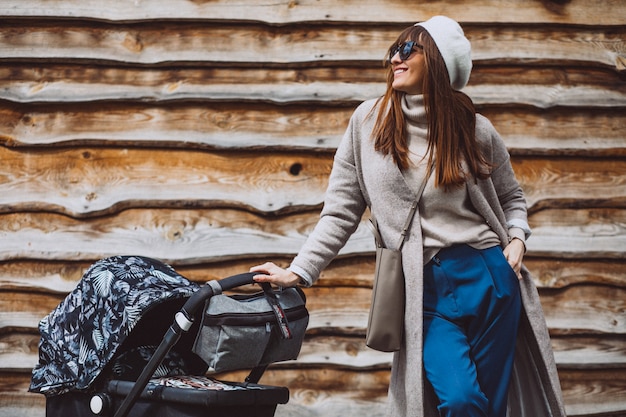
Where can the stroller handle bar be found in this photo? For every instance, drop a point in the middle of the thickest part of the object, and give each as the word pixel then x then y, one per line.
pixel 238 280
pixel 198 298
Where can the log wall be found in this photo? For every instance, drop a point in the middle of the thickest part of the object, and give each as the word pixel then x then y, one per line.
pixel 202 133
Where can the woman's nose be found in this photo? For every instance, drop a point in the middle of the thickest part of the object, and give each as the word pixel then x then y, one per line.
pixel 396 59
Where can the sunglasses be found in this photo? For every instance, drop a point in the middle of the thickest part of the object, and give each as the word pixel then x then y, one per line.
pixel 405 49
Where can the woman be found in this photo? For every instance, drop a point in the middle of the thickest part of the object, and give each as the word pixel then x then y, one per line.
pixel 467 291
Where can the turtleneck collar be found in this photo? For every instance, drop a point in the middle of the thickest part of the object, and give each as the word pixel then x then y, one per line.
pixel 414 110
pixel 415 121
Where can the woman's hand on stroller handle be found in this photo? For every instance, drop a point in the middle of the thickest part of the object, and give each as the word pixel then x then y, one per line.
pixel 272 273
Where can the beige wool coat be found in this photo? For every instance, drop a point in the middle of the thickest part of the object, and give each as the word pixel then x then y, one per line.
pixel 361 178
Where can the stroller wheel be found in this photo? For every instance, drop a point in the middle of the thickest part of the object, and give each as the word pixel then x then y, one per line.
pixel 100 404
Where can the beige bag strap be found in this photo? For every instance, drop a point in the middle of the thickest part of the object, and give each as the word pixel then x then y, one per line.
pixel 407 224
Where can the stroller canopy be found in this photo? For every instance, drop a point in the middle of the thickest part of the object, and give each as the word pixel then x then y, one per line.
pixel 81 336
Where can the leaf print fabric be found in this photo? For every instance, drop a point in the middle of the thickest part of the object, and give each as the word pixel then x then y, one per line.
pixel 81 336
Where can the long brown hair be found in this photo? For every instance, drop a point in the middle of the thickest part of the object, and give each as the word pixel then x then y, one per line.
pixel 451 120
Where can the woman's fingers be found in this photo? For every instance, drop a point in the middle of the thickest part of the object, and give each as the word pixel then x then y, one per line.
pixel 272 273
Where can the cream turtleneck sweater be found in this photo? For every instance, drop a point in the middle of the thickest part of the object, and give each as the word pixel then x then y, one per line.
pixel 447 217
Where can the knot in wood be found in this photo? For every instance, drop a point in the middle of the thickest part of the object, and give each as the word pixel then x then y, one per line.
pixel 295 169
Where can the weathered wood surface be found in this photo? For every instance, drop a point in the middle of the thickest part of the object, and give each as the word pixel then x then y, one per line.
pixel 60 277
pixel 331 354
pixel 197 43
pixel 185 236
pixel 343 392
pixel 89 181
pixel 577 345
pixel 67 84
pixel 594 11
pixel 202 133
pixel 95 181
pixel 227 126
pixel 575 310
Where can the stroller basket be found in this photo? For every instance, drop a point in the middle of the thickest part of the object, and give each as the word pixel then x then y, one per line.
pixel 171 397
pixel 206 392
pixel 134 378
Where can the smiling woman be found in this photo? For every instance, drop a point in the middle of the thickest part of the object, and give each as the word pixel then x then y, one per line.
pixel 407 60
pixel 462 261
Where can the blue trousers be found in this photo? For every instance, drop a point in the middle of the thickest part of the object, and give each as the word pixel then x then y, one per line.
pixel 471 314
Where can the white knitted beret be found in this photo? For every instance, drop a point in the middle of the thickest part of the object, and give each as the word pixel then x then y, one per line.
pixel 454 47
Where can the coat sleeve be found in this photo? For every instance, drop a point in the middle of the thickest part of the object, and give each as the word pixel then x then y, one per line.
pixel 344 205
pixel 510 193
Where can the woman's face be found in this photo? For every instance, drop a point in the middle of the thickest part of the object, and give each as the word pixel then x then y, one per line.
pixel 408 66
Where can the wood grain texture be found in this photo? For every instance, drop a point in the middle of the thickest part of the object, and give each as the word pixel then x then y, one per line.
pixel 220 43
pixel 595 133
pixel 344 393
pixel 592 310
pixel 96 181
pixel 225 125
pixel 542 87
pixel 202 133
pixel 565 232
pixel 60 277
pixel 340 350
pixel 596 12
pixel 194 236
pixel 88 182
pixel 232 126
pixel 562 272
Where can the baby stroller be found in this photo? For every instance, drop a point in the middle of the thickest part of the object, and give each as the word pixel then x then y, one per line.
pixel 106 350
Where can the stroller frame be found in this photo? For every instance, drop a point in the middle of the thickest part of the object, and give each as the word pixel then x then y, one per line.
pixel 183 320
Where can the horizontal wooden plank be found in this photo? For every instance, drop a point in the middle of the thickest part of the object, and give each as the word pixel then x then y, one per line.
pixel 588 309
pixel 187 236
pixel 215 125
pixel 15 400
pixel 41 277
pixel 181 236
pixel 558 132
pixel 236 126
pixel 587 352
pixel 78 83
pixel 197 43
pixel 347 310
pixel 539 87
pixel 596 12
pixel 571 352
pixel 85 182
pixel 329 393
pixel 60 277
pixel 329 92
pixel 597 393
pixel 20 353
pixel 570 311
pixel 572 182
pixel 590 393
pixel 560 272
pixel 23 311
pixel 564 233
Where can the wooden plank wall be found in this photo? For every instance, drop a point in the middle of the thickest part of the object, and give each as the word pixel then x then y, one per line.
pixel 202 133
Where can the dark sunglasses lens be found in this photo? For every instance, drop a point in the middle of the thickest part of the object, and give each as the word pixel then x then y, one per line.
pixel 406 50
